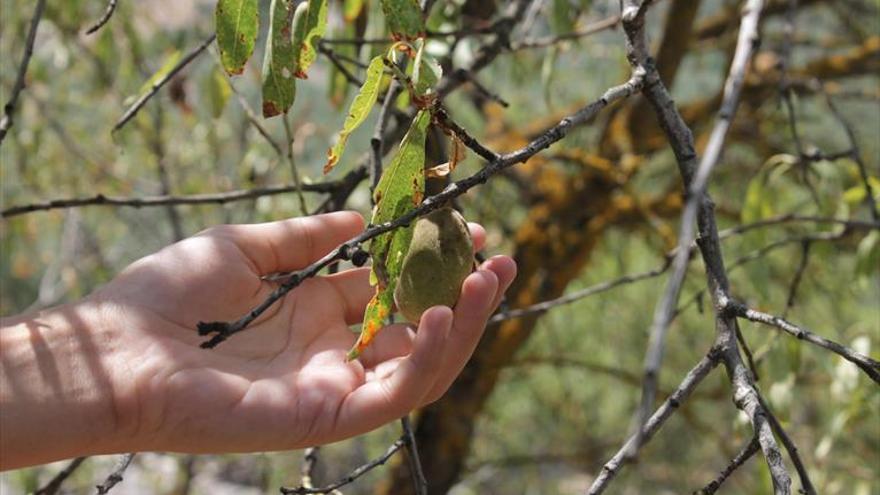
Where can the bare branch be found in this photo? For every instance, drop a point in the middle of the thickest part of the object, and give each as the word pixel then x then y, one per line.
pixel 352 476
pixel 545 306
pixel 791 448
pixel 870 366
pixel 157 85
pixel 746 43
pixel 412 456
pixel 9 108
pixel 291 160
pixel 147 201
pixel 116 476
pixel 108 13
pixel 738 460
pixel 681 393
pixel 52 487
pixel 856 155
pixel 588 30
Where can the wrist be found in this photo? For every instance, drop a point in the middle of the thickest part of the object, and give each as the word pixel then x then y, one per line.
pixel 60 386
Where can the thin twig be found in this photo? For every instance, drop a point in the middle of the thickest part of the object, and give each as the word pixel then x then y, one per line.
pixel 738 460
pixel 147 201
pixel 588 30
pixel 412 456
pixel 696 186
pixel 352 476
pixel 9 108
pixel 798 276
pixel 856 155
pixel 681 393
pixel 335 59
pixel 791 448
pixel 293 171
pixel 55 483
pixel 157 85
pixel 377 142
pixel 870 366
pixel 545 306
pixel 108 13
pixel 116 476
pixel 442 118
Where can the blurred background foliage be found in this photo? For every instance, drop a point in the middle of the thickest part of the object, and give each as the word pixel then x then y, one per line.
pixel 562 402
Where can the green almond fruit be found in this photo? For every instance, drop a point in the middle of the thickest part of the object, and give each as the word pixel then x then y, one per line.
pixel 440 257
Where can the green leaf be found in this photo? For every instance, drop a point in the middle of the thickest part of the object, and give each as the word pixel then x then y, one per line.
pixel 757 204
pixel 357 113
pixel 236 23
pixel 868 255
pixel 316 25
pixel 562 20
pixel 404 19
pixel 218 92
pixel 351 9
pixel 279 63
pixel 426 72
pixel 400 190
pixel 169 63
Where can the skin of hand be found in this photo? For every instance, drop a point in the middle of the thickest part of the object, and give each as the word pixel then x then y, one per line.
pixel 122 370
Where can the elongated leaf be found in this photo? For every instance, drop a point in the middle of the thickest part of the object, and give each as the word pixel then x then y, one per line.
pixel 400 189
pixel 218 92
pixel 357 113
pixel 237 23
pixel 316 25
pixel 404 19
pixel 169 63
pixel 351 9
pixel 279 64
pixel 426 72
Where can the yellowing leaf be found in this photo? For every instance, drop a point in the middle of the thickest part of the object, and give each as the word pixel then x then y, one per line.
pixel 404 19
pixel 218 92
pixel 316 25
pixel 279 64
pixel 426 72
pixel 236 23
pixel 357 113
pixel 400 190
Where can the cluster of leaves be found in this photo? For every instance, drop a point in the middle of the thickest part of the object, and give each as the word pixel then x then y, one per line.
pixel 291 47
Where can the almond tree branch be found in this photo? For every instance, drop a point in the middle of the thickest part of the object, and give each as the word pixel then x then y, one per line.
pixel 165 200
pixel 157 85
pixel 871 367
pixel 738 460
pixel 806 485
pixel 108 13
pixel 412 456
pixel 116 476
pixel 52 487
pixel 696 186
pixel 681 393
pixel 681 140
pixel 598 288
pixel 350 477
pixel 224 330
pixel 9 108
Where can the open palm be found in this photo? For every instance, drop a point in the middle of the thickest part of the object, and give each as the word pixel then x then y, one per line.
pixel 284 382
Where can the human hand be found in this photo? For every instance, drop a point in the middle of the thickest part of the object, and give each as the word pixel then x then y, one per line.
pixel 284 382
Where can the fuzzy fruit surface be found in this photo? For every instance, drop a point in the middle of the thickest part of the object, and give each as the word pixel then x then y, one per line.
pixel 440 257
